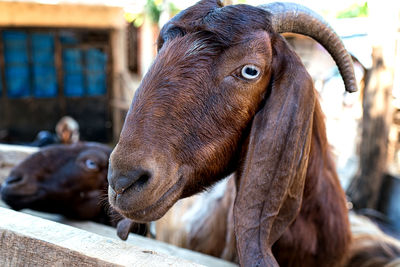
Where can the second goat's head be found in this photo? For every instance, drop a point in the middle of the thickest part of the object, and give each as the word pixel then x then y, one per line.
pixel 225 94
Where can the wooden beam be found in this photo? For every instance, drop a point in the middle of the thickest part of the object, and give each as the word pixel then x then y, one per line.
pixel 144 244
pixel 153 245
pixel 120 104
pixel 61 15
pixel 26 240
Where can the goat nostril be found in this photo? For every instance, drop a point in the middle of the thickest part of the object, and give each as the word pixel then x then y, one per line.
pixel 134 179
pixel 142 179
pixel 13 180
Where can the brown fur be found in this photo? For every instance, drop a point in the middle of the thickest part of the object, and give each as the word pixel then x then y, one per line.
pixel 195 119
pixel 322 228
pixel 214 234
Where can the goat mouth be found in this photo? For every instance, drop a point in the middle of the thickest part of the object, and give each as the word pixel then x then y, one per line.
pixel 155 210
pixel 19 201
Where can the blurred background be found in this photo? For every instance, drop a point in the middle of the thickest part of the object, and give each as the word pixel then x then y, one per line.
pixel 84 59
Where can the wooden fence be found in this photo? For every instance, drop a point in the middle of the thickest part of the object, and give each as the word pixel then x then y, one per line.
pixel 51 240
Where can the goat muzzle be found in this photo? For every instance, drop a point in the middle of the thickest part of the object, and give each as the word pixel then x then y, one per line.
pixel 134 180
pixel 143 193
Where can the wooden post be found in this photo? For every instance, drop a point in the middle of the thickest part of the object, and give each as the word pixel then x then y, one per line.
pixel 364 189
pixel 377 109
pixel 119 65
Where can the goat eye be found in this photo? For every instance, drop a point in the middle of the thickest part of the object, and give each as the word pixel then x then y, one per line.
pixel 90 164
pixel 250 72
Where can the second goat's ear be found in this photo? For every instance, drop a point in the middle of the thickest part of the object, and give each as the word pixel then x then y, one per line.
pixel 272 177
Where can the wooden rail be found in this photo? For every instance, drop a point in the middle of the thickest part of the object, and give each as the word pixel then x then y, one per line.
pixel 26 240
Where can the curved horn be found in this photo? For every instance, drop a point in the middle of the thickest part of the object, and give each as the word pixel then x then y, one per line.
pixel 291 17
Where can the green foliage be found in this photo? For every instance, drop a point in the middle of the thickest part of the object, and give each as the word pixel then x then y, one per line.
pixel 153 9
pixel 173 9
pixel 354 11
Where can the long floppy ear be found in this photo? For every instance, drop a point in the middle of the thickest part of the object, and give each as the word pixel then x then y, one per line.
pixel 272 177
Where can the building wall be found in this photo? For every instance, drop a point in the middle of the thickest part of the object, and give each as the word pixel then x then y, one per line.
pixel 50 73
pixel 56 75
pixel 60 15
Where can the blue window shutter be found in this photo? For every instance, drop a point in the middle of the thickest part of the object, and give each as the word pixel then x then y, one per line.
pixel 16 64
pixel 73 72
pixel 1 83
pixel 43 69
pixel 96 67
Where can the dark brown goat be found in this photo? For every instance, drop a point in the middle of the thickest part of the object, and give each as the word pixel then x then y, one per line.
pixel 65 179
pixel 227 94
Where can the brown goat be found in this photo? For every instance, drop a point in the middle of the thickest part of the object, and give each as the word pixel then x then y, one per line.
pixel 206 225
pixel 70 180
pixel 227 94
